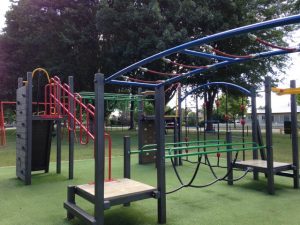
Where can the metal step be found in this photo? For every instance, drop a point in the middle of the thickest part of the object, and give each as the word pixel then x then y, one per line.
pixel 79 213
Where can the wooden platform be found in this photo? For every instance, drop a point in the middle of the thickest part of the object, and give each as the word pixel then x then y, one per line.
pixel 119 188
pixel 261 165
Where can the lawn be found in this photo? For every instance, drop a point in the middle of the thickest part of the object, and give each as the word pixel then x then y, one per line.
pixel 246 202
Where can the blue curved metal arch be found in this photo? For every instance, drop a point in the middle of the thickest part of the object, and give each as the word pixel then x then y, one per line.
pixel 225 84
pixel 205 40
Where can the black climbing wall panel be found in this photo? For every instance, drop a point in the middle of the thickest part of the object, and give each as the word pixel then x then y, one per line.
pixel 41 144
pixel 21 137
pixel 148 137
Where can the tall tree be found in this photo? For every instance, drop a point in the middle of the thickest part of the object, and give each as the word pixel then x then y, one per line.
pixel 59 35
pixel 134 29
pixel 232 107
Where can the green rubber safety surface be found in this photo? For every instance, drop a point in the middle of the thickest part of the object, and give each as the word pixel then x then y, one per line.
pixel 246 202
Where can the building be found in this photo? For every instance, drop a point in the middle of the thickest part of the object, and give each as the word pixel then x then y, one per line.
pixel 281 111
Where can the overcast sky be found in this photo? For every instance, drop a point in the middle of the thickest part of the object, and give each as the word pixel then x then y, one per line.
pixel 4 6
pixel 277 102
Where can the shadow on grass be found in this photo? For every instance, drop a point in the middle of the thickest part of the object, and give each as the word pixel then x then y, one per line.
pixel 37 179
pixel 262 186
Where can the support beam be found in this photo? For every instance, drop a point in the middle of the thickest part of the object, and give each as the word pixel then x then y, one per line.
pixel 99 145
pixel 229 158
pixel 71 199
pixel 29 128
pixel 127 160
pixel 58 146
pixel 269 144
pixel 294 136
pixel 254 128
pixel 160 154
pixel 71 133
pixel 140 117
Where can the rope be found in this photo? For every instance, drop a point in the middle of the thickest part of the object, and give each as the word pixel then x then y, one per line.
pixel 169 88
pixel 160 73
pixel 183 65
pixel 210 48
pixel 190 183
pixel 143 81
pixel 259 40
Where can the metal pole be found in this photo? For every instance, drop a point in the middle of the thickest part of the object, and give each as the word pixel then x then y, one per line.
pixel 254 129
pixel 160 154
pixel 295 136
pixel 72 125
pixel 99 146
pixel 140 118
pixel 229 159
pixel 179 119
pixel 243 129
pixel 71 199
pixel 58 146
pixel 226 109
pixel 175 135
pixel 29 128
pixel 197 120
pixel 269 147
pixel 127 160
pixel 205 123
pixel 58 133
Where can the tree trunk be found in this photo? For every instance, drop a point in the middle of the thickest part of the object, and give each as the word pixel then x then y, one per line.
pixel 234 122
pixel 210 98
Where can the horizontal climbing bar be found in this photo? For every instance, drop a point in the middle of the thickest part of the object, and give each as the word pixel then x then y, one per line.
pixel 210 146
pixel 213 152
pixel 192 147
pixel 182 143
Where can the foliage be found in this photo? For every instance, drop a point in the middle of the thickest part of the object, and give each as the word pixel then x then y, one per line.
pixel 59 35
pixel 132 30
pixel 234 106
pixel 298 99
pixel 191 119
pixel 79 37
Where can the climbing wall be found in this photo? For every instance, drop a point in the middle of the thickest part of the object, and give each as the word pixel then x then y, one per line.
pixel 22 156
pixel 148 137
pixel 41 144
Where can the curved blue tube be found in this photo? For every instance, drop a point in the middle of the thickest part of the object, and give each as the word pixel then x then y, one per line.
pixel 225 84
pixel 226 63
pixel 205 40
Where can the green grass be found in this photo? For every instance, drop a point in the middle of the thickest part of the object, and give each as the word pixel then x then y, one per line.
pixel 246 202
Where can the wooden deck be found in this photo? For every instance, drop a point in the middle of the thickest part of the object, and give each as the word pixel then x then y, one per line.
pixel 118 188
pixel 262 164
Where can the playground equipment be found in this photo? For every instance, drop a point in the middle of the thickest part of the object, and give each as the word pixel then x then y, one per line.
pixel 99 193
pixel 147 130
pixel 34 129
pixel 206 131
pixel 34 134
pixel 122 104
pixel 286 91
pixel 267 165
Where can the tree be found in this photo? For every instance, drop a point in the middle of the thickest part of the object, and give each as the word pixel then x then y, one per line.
pixel 298 99
pixel 133 30
pixel 59 35
pixel 236 107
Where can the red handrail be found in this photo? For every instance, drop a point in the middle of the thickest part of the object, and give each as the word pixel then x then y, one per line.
pixel 58 96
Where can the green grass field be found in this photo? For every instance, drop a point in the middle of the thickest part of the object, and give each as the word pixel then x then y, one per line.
pixel 246 202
